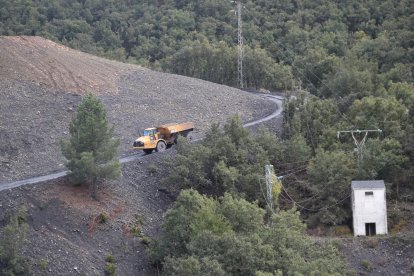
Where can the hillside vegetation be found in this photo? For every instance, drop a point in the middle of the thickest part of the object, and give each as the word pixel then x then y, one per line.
pixel 345 65
pixel 312 42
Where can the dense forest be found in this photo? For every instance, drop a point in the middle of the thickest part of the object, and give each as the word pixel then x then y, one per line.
pixel 318 45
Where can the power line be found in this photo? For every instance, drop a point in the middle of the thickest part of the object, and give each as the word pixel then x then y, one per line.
pixel 359 143
pixel 300 72
pixel 310 209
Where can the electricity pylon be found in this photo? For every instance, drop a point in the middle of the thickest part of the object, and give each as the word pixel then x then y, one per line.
pixel 240 45
pixel 359 144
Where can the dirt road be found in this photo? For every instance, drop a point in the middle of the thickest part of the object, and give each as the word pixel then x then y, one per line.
pixel 33 180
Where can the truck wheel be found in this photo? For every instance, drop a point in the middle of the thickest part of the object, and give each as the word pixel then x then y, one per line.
pixel 161 146
pixel 147 151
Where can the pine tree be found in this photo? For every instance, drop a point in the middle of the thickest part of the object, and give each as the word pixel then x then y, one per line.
pixel 91 151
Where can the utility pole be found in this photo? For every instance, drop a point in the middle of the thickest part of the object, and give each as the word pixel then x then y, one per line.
pixel 240 45
pixel 358 143
pixel 269 186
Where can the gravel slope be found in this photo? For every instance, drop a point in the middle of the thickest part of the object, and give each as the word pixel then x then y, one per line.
pixel 35 113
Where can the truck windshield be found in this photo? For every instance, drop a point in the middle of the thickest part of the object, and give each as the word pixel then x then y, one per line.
pixel 148 132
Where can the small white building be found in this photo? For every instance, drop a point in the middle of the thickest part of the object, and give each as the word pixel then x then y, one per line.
pixel 369 209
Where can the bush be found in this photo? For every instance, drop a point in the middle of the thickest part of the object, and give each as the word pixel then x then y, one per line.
pixel 102 218
pixel 110 268
pixel 43 264
pixel 366 265
pixel 136 228
pixel 110 258
pixel 11 242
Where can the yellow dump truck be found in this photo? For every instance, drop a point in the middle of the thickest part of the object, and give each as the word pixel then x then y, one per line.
pixel 163 137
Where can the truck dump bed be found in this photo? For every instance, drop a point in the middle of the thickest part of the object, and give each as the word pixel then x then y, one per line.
pixel 174 128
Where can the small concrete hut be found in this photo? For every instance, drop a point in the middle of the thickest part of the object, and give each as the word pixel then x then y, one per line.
pixel 369 209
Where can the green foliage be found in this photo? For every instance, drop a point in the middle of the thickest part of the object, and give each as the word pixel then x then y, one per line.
pixel 228 160
pixel 43 264
pixel 91 151
pixel 136 228
pixel 110 258
pixel 103 217
pixel 236 240
pixel 330 174
pixel 282 39
pixel 366 265
pixel 110 267
pixel 14 236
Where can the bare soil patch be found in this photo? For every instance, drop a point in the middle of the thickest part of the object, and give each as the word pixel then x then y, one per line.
pixel 60 68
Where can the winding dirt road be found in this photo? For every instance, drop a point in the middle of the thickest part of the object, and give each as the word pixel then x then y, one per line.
pixel 33 180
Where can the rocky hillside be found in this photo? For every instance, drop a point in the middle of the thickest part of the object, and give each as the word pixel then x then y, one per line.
pixel 41 84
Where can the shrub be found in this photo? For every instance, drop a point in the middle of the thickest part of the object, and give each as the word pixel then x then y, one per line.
pixel 110 269
pixel 102 218
pixel 43 264
pixel 110 258
pixel 136 228
pixel 11 242
pixel 146 240
pixel 366 265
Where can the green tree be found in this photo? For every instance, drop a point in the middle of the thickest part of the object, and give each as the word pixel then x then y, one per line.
pixel 330 174
pixel 91 152
pixel 11 241
pixel 247 246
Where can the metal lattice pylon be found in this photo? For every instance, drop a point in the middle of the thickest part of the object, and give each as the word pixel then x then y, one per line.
pixel 240 75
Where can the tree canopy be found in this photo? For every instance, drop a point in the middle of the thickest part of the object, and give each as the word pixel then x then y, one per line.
pixel 228 236
pixel 91 152
pixel 318 44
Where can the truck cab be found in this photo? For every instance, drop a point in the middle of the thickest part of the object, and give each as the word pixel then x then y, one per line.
pixel 162 137
pixel 148 141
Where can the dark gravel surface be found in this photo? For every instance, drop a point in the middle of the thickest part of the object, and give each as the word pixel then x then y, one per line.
pixel 34 118
pixel 63 228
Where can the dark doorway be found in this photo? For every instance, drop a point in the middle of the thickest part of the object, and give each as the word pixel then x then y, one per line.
pixel 370 229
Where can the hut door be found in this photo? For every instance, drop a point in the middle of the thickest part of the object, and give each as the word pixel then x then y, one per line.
pixel 370 229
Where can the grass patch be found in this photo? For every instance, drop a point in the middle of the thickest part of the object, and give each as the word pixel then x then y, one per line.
pixel 366 265
pixel 43 264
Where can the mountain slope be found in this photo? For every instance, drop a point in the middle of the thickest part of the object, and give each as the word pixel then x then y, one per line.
pixel 42 83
